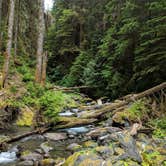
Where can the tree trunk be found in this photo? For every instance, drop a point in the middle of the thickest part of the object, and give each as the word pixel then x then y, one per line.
pixel 44 68
pixel 16 28
pixel 41 29
pixel 0 24
pixel 9 43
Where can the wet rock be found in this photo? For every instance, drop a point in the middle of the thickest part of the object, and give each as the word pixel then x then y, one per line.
pixel 92 162
pixel 119 151
pixel 104 151
pixel 55 136
pixel 108 163
pixel 31 156
pixel 33 137
pixel 143 138
pixel 26 163
pixel 40 151
pixel 113 129
pixel 129 145
pixel 126 163
pixel 47 162
pixel 97 132
pixel 90 144
pixel 59 161
pixel 80 159
pixel 45 147
pixel 74 147
pixel 108 122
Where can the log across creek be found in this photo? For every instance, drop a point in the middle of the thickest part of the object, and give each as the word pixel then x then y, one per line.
pixel 92 117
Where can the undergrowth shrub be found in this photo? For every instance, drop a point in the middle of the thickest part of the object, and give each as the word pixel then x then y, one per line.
pixel 160 127
pixel 51 103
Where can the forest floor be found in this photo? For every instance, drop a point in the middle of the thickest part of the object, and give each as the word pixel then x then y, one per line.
pixel 90 133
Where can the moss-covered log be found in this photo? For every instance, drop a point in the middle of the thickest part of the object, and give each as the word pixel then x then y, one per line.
pixel 126 100
pixel 67 122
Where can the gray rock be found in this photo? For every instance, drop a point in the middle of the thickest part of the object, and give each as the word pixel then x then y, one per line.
pixel 31 157
pixel 105 151
pixel 73 147
pixel 129 145
pixel 45 147
pixel 55 136
pixel 26 163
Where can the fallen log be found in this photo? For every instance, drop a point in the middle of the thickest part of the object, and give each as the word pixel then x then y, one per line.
pixel 121 103
pixel 58 88
pixel 68 122
pixel 18 137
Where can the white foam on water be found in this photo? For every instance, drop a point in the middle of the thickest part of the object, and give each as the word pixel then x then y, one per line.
pixel 67 113
pixel 7 157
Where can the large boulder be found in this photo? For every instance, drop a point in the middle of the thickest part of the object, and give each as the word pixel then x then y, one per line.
pixel 86 158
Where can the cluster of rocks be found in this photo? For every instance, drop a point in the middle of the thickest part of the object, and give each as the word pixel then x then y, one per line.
pixel 106 146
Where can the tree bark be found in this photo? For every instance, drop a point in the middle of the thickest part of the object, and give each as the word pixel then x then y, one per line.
pixel 16 28
pixel 44 68
pixel 0 23
pixel 9 43
pixel 41 29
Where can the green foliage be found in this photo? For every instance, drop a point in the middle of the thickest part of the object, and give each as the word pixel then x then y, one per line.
pixel 51 103
pixel 122 50
pixel 154 158
pixel 160 127
pixel 26 72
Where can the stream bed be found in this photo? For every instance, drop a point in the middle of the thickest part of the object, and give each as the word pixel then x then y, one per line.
pixel 55 142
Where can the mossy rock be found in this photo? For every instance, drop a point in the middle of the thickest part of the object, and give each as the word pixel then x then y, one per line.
pixel 90 144
pixel 79 157
pixel 104 151
pixel 126 163
pixel 26 117
pixel 119 151
pixel 154 158
pixel 91 162
pixel 47 162
pixel 74 147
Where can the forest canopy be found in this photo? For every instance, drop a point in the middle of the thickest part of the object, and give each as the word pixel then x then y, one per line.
pixel 116 46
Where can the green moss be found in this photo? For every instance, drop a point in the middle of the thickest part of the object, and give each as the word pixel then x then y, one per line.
pixel 47 162
pixel 160 127
pixel 25 153
pixel 26 118
pixel 91 162
pixel 136 111
pixel 154 158
pixel 71 160
pixel 90 144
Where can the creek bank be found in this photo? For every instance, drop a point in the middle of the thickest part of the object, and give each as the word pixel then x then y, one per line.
pixel 119 139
